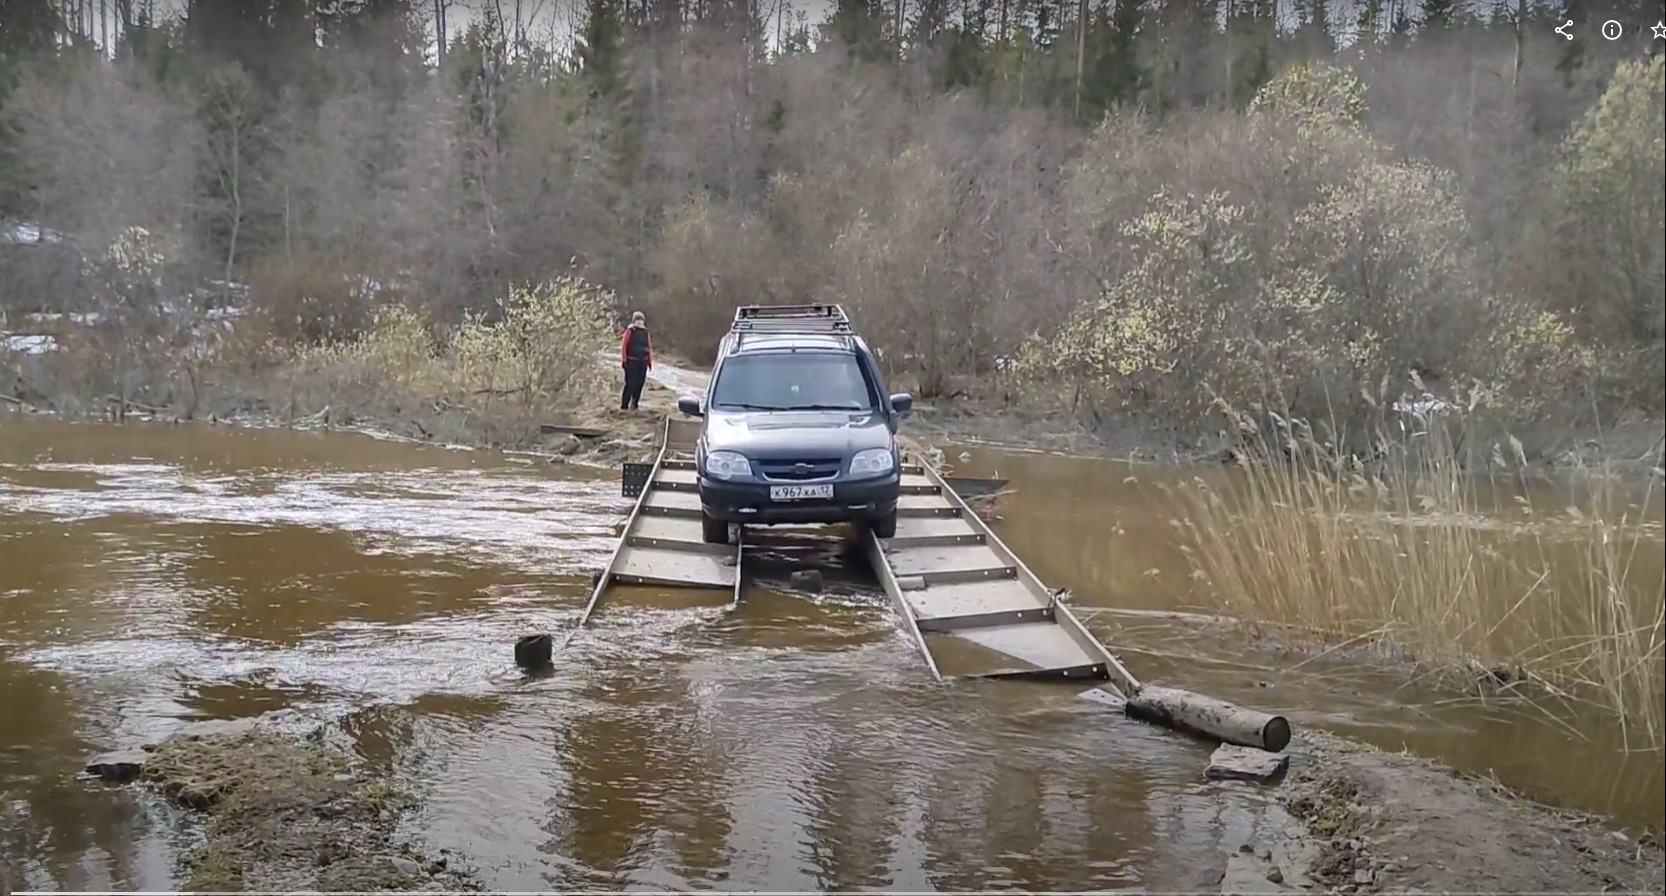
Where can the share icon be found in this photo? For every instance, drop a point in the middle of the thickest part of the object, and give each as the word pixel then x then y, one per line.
pixel 1566 29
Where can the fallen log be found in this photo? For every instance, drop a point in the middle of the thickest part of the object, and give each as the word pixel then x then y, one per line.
pixel 1208 717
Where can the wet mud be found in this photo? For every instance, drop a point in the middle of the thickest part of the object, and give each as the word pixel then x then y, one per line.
pixel 1368 821
pixel 283 811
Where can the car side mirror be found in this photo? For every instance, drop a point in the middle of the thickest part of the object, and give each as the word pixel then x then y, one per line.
pixel 690 406
pixel 902 403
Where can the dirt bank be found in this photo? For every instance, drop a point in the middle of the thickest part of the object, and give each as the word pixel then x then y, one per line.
pixel 284 812
pixel 970 417
pixel 1355 819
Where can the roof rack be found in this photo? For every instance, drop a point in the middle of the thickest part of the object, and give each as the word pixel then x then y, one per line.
pixel 806 319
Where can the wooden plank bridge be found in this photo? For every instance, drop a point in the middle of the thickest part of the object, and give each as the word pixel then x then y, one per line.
pixel 968 602
pixel 971 606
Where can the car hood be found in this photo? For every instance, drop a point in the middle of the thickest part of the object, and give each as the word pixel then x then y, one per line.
pixel 796 434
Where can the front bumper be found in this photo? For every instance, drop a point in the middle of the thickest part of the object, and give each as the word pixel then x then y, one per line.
pixel 749 502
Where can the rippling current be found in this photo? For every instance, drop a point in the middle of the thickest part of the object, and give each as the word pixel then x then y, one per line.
pixel 155 576
pixel 151 576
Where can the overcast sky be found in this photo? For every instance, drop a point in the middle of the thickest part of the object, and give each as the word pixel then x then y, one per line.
pixel 555 19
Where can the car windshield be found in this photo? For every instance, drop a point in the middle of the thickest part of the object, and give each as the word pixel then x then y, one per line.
pixel 791 381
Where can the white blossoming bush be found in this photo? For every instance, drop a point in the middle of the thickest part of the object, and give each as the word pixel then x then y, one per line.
pixel 131 269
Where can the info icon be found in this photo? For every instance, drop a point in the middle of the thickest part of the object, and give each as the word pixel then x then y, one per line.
pixel 1612 29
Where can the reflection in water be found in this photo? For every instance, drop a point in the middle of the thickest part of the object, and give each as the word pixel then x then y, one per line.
pixel 156 575
pixel 1103 530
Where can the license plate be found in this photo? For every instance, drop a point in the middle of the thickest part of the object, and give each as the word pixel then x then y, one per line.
pixel 800 492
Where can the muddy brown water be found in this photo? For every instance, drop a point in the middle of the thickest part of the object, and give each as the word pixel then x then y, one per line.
pixel 152 576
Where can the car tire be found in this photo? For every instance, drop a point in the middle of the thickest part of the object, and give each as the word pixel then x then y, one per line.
pixel 713 531
pixel 885 526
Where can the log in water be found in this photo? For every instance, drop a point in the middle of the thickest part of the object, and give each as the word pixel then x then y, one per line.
pixel 1208 717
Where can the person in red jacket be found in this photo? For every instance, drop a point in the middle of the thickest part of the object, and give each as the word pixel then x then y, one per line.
pixel 636 355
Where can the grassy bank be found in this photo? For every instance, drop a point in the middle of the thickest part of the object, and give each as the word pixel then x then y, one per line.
pixel 1458 572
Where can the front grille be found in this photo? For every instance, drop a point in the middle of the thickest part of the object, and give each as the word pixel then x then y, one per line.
pixel 799 470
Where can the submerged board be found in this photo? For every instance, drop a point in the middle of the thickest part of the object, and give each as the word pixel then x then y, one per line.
pixel 662 543
pixel 972 607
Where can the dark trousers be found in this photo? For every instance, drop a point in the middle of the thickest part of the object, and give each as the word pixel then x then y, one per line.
pixel 636 375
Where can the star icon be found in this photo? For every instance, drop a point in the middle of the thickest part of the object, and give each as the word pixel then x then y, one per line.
pixel 1659 30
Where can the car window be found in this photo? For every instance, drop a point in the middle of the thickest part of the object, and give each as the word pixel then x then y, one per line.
pixel 793 380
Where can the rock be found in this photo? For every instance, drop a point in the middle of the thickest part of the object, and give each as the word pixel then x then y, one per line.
pixel 911 583
pixel 807 580
pixel 533 652
pixel 197 795
pixel 119 767
pixel 328 853
pixel 570 445
pixel 1245 875
pixel 1364 877
pixel 406 866
pixel 1233 763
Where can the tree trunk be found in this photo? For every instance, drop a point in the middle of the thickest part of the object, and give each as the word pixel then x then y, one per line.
pixel 1208 717
pixel 1081 54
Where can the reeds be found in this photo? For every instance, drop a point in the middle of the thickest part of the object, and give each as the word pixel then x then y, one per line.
pixel 1459 571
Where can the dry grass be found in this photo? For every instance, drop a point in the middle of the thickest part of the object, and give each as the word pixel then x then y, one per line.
pixel 533 360
pixel 1464 574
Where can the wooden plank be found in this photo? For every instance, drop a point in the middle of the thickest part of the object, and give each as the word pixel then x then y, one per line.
pixel 915 561
pixel 950 576
pixel 676 568
pixel 583 432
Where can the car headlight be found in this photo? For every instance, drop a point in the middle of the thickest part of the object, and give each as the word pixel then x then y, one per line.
pixel 872 462
pixel 727 465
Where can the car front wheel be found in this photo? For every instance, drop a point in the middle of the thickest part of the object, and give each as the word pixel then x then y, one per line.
pixel 885 526
pixel 713 531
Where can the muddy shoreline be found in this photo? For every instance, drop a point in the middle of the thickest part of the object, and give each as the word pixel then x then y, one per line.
pixel 282 810
pixel 1632 448
pixel 286 810
pixel 1357 819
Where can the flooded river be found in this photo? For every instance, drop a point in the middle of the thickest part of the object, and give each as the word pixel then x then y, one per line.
pixel 152 576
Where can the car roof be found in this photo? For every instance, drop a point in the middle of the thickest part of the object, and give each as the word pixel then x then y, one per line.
pixel 748 343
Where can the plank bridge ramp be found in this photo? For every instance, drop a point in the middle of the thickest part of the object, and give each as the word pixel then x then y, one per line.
pixel 973 608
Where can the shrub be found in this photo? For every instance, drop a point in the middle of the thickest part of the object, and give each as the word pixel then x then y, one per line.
pixel 314 299
pixel 1368 278
pixel 537 354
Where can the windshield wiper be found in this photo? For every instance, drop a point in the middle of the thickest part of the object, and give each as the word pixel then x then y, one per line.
pixel 748 407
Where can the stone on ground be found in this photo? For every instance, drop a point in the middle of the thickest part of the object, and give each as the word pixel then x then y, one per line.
pixel 1234 763
pixel 119 767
